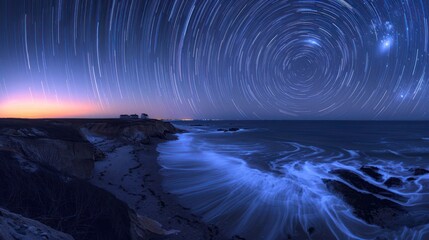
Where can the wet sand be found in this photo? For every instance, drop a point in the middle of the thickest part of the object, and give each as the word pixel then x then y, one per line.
pixel 131 173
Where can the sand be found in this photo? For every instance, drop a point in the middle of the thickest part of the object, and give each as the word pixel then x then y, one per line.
pixel 131 173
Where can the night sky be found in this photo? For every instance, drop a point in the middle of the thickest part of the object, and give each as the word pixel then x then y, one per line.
pixel 292 59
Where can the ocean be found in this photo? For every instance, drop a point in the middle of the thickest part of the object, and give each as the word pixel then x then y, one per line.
pixel 303 179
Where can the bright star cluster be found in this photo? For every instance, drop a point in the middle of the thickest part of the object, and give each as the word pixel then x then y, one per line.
pixel 218 59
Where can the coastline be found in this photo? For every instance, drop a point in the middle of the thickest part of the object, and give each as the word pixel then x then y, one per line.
pixel 112 179
pixel 131 172
pixel 105 170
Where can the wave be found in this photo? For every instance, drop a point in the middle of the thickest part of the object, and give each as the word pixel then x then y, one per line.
pixel 309 192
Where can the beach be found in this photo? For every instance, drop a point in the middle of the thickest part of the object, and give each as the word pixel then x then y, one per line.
pixel 102 171
pixel 131 173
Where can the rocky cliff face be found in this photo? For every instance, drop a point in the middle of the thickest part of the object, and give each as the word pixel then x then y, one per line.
pixel 14 226
pixel 72 158
pixel 67 204
pixel 137 132
pixel 51 144
pixel 43 164
pixel 60 144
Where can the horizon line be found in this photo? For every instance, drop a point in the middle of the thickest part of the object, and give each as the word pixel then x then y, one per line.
pixel 191 120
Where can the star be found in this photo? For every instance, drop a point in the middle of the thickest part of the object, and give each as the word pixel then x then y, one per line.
pixel 312 42
pixel 217 59
pixel 386 43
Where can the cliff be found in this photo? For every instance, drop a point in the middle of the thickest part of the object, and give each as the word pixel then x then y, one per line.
pixel 67 204
pixel 133 131
pixel 51 144
pixel 61 145
pixel 44 165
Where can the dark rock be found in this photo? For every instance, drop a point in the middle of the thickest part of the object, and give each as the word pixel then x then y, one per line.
pixel 373 210
pixel 420 171
pixel 99 155
pixel 68 152
pixel 14 226
pixel 237 237
pixel 410 179
pixel 372 172
pixel 234 129
pixel 74 206
pixel 196 125
pixel 393 182
pixel 355 180
pixel 311 230
pixel 132 131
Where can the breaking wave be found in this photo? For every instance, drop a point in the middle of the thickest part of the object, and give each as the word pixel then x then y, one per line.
pixel 303 192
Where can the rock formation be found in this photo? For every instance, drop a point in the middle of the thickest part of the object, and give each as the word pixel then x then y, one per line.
pixel 43 167
pixel 14 226
pixel 132 131
pixel 51 144
pixel 377 204
pixel 64 203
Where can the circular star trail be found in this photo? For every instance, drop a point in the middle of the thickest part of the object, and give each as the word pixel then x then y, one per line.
pixel 295 59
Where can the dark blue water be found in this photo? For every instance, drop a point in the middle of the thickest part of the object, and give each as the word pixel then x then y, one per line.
pixel 303 179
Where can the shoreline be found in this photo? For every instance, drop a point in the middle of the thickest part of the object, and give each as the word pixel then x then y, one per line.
pixel 110 179
pixel 132 173
pixel 102 175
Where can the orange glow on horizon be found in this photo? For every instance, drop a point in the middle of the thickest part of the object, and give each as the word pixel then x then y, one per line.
pixel 29 108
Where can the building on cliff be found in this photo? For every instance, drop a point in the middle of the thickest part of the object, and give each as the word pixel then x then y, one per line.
pixel 134 116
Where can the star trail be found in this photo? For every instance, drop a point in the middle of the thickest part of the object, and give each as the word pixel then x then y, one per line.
pixel 218 59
